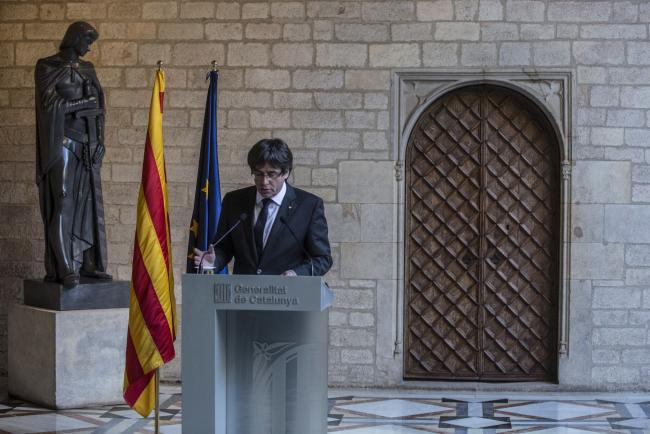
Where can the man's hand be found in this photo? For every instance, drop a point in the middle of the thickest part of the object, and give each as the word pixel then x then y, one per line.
pixel 289 273
pixel 99 154
pixel 208 258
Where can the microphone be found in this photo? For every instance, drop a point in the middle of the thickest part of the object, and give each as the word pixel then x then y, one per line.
pixel 286 225
pixel 242 218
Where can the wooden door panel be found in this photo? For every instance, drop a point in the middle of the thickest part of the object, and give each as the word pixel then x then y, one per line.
pixel 520 267
pixel 443 232
pixel 482 218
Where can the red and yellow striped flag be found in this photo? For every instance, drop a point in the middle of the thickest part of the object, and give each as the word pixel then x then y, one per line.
pixel 152 313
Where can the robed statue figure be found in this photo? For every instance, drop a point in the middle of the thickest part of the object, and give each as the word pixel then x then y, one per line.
pixel 69 151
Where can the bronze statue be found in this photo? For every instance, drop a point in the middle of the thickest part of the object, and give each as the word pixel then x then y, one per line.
pixel 69 152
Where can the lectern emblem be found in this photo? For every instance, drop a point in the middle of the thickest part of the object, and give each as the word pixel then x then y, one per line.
pixel 222 293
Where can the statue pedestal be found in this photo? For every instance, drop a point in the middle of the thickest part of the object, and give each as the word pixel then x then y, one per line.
pixel 89 294
pixel 66 359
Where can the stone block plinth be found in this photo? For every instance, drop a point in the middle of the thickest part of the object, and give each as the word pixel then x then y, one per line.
pixel 88 294
pixel 66 359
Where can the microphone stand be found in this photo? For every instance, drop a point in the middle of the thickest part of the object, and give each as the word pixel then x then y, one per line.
pixel 242 217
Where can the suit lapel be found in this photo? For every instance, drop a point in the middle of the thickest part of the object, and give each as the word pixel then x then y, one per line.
pixel 287 208
pixel 249 208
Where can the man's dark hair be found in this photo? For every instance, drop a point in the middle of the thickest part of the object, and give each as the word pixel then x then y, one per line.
pixel 75 31
pixel 272 151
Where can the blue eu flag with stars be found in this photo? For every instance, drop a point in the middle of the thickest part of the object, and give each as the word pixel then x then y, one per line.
pixel 207 197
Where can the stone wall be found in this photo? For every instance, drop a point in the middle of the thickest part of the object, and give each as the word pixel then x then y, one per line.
pixel 318 74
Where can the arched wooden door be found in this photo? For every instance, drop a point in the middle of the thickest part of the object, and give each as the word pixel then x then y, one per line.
pixel 482 239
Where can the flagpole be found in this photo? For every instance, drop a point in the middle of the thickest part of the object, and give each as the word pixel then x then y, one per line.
pixel 157 404
pixel 157 417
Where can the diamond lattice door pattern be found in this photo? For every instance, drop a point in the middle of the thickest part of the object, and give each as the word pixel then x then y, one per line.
pixel 482 225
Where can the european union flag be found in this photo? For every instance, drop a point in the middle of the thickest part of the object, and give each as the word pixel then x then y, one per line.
pixel 207 197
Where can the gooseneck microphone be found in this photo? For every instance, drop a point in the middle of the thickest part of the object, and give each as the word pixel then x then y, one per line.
pixel 286 225
pixel 242 218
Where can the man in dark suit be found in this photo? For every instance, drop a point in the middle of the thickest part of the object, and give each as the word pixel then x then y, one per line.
pixel 278 229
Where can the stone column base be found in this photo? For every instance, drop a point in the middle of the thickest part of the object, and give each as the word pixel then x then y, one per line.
pixel 66 359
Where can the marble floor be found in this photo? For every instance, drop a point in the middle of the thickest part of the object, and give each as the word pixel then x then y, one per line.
pixel 379 412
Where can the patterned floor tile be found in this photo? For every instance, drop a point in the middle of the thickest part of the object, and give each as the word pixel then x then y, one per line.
pixel 554 410
pixel 474 422
pixel 567 430
pixel 41 423
pixel 125 412
pixel 380 429
pixel 392 408
pixel 118 426
pixel 334 419
pixel 29 408
pixel 395 413
pixel 170 429
pixel 625 423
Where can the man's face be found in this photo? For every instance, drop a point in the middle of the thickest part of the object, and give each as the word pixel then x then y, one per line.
pixel 83 46
pixel 268 180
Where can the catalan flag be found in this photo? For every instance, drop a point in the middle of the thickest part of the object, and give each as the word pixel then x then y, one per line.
pixel 152 312
pixel 207 197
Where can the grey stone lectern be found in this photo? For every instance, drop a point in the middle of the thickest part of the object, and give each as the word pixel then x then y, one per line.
pixel 254 351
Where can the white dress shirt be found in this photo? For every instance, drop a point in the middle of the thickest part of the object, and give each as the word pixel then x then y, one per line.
pixel 272 210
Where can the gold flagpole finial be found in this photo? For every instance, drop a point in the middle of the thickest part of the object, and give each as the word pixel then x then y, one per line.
pixel 159 63
pixel 214 66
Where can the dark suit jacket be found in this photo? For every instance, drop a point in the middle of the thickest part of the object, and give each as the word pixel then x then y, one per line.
pixel 304 214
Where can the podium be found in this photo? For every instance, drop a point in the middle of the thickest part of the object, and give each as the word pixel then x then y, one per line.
pixel 254 352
